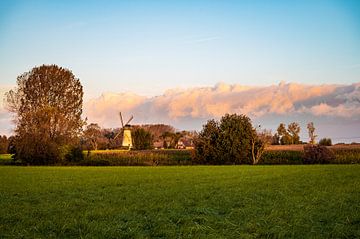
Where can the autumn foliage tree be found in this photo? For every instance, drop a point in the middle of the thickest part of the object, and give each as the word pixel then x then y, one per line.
pixel 289 135
pixel 93 136
pixel 47 104
pixel 294 131
pixel 311 131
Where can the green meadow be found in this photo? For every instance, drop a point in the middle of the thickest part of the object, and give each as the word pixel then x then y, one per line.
pixel 302 201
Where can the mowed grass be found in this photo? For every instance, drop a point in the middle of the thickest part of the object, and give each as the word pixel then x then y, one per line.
pixel 312 201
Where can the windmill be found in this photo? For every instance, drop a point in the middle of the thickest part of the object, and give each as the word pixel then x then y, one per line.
pixel 126 130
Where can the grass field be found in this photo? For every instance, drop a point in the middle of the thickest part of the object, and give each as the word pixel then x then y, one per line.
pixel 318 201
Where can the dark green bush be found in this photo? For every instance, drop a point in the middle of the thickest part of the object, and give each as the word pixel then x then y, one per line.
pixel 325 142
pixel 75 154
pixel 228 141
pixel 317 154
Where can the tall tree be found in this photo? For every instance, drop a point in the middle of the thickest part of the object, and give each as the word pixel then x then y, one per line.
pixel 283 134
pixel 93 135
pixel 294 131
pixel 311 131
pixel 47 103
pixel 259 142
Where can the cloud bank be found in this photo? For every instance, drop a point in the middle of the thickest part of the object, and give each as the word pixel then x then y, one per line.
pixel 335 109
pixel 213 102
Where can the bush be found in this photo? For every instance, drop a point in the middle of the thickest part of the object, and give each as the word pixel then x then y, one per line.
pixel 325 142
pixel 228 141
pixel 142 139
pixel 32 151
pixel 75 154
pixel 317 154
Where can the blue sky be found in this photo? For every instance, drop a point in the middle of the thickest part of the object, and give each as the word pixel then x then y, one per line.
pixel 208 49
pixel 147 47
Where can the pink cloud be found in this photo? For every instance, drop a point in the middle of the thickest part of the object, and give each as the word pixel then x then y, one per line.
pixel 213 102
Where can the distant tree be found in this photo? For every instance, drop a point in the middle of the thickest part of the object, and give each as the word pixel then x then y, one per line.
pixel 294 131
pixel 176 137
pixel 142 139
pixel 283 134
pixel 289 135
pixel 259 142
pixel 11 146
pixel 48 105
pixel 275 139
pixel 111 142
pixel 311 131
pixel 93 136
pixel 232 140
pixel 325 142
pixel 157 130
pixel 4 144
pixel 171 139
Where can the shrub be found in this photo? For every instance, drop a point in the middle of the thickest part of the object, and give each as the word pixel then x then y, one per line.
pixel 317 154
pixel 228 141
pixel 325 142
pixel 32 151
pixel 75 154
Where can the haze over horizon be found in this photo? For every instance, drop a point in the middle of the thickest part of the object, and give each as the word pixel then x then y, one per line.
pixel 184 62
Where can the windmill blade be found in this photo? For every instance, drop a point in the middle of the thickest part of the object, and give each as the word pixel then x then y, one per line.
pixel 122 122
pixel 117 135
pixel 129 120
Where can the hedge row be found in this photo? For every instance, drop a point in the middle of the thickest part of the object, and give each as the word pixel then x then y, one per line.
pixel 137 158
pixel 184 157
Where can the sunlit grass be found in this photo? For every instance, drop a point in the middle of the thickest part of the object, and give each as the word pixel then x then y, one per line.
pixel 321 201
pixel 5 157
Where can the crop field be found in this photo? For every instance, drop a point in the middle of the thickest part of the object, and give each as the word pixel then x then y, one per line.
pixel 300 147
pixel 5 158
pixel 300 201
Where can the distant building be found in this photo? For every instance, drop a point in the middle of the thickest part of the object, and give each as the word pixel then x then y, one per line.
pixel 185 143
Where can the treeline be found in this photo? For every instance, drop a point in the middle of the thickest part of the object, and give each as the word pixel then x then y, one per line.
pixel 156 136
pixel 6 144
pixel 147 136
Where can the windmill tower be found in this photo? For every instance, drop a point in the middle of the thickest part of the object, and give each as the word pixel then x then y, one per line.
pixel 126 131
